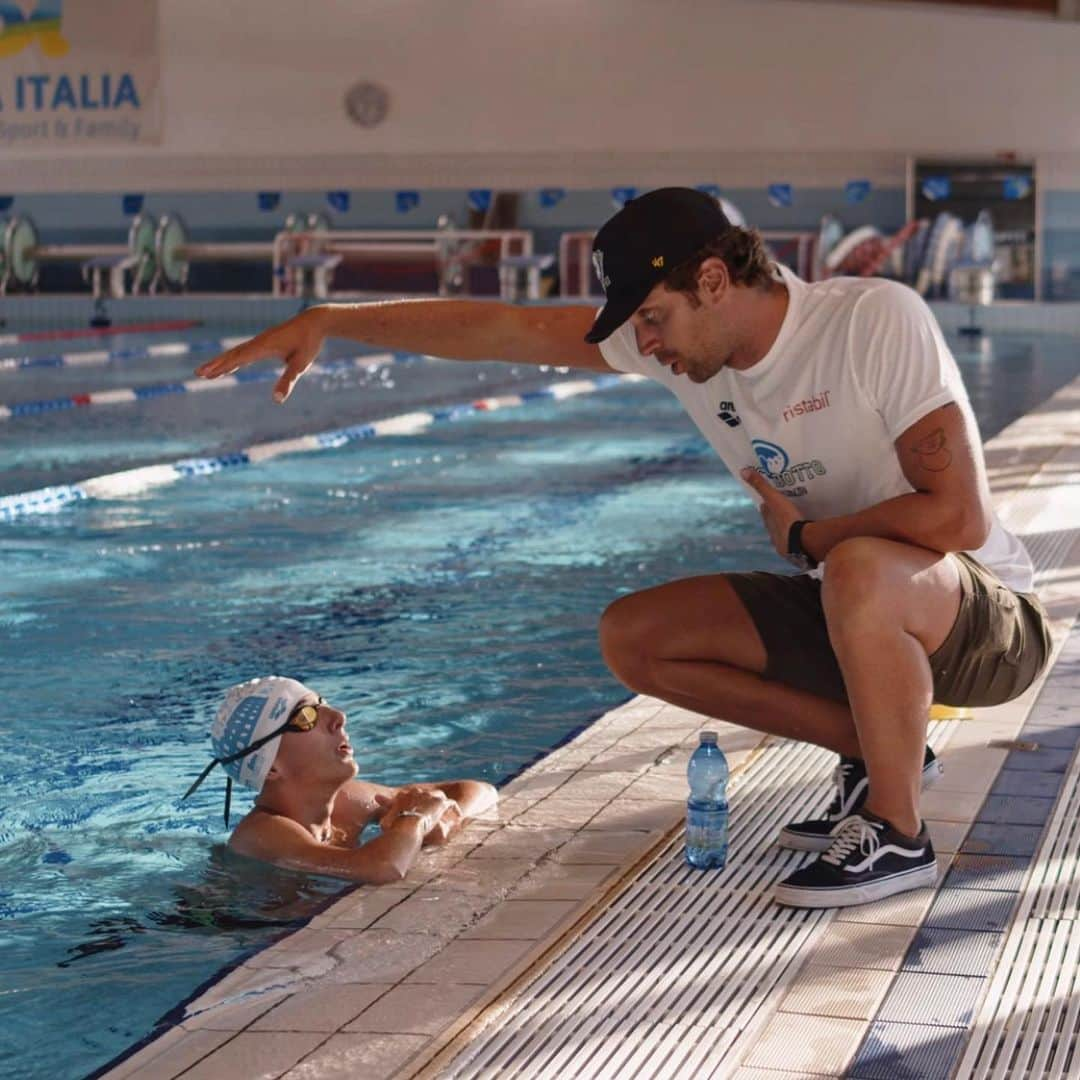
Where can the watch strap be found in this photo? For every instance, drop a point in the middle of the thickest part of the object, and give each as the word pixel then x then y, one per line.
pixel 795 544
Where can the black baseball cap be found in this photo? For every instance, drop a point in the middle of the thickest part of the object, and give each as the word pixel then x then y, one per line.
pixel 643 243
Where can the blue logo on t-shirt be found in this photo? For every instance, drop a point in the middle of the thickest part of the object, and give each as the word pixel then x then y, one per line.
pixel 776 465
pixel 774 459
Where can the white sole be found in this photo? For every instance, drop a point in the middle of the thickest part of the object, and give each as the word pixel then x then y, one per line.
pixel 800 842
pixel 921 877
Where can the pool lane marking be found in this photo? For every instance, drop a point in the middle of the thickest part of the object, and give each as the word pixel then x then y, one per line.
pixel 102 357
pixel 131 482
pixel 99 331
pixel 122 395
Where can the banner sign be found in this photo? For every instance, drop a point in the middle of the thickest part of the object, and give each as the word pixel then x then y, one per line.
pixel 936 187
pixel 76 73
pixel 856 191
pixel 1016 187
pixel 780 194
pixel 406 201
pixel 479 199
pixel 551 196
pixel 339 201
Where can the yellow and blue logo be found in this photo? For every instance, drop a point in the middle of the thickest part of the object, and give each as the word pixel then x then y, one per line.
pixel 41 27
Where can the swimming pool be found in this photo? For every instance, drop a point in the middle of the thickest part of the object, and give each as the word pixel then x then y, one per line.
pixel 442 587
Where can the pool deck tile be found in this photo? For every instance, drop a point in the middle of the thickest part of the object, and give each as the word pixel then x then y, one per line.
pixel 322 1008
pixel 401 978
pixel 251 1055
pixel 848 993
pixel 169 1054
pixel 813 1044
pixel 417 1008
pixel 351 1055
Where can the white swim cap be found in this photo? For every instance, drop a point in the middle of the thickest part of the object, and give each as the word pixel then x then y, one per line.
pixel 252 710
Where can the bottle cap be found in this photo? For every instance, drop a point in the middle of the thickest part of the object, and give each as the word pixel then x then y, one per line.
pixel 709 737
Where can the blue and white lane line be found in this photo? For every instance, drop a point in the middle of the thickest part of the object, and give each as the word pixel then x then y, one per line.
pixel 121 395
pixel 103 357
pixel 133 482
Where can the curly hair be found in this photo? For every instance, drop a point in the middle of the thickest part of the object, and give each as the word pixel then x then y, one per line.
pixel 742 250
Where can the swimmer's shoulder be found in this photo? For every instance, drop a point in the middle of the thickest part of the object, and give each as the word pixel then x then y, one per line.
pixel 262 834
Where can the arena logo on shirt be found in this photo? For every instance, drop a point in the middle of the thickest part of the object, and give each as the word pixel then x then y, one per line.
pixel 775 465
pixel 729 414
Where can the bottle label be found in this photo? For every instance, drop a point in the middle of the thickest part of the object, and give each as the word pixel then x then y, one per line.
pixel 706 827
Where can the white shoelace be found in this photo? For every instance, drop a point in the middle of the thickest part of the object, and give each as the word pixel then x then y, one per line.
pixel 852 832
pixel 840 775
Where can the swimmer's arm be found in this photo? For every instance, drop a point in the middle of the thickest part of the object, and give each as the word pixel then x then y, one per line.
pixel 454 329
pixel 285 843
pixel 472 797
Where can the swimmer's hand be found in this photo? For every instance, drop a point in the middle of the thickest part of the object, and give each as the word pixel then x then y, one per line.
pixel 296 342
pixel 444 814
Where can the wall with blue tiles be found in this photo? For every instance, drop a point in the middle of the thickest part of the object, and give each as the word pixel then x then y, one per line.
pixel 236 216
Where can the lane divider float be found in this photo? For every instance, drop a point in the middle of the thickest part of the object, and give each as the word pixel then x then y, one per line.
pixel 99 331
pixel 133 482
pixel 121 395
pixel 102 357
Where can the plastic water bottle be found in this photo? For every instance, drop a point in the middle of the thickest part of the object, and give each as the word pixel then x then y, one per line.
pixel 707 808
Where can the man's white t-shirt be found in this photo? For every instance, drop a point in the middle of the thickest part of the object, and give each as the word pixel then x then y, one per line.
pixel 856 363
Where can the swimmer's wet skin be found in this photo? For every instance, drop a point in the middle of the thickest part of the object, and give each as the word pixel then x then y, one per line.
pixel 284 741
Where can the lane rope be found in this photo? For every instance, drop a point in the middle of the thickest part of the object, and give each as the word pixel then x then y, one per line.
pixel 102 357
pixel 136 481
pixel 122 395
pixel 99 331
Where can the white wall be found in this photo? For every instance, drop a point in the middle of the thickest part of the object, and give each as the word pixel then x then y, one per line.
pixel 532 92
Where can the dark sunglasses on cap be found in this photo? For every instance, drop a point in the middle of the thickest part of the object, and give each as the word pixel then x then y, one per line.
pixel 302 718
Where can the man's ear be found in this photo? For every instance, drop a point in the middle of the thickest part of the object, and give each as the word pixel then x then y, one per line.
pixel 713 277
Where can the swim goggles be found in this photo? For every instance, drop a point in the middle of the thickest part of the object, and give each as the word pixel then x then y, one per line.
pixel 302 718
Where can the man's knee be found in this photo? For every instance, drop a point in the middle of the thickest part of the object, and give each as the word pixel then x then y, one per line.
pixel 858 563
pixel 868 579
pixel 626 628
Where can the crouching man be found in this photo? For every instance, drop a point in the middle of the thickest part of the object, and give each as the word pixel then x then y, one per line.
pixel 283 740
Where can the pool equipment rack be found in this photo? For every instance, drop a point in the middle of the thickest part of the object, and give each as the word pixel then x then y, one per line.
pixel 22 254
pixel 298 257
pixel 302 256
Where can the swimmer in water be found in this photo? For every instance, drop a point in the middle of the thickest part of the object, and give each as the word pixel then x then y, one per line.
pixel 281 739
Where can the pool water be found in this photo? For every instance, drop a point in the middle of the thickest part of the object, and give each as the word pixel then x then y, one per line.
pixel 443 588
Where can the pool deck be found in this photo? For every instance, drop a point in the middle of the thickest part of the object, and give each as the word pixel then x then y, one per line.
pixel 563 936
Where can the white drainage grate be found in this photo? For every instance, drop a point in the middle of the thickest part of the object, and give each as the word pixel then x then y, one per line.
pixel 1029 1026
pixel 674 974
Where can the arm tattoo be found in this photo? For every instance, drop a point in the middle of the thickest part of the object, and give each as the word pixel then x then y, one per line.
pixel 932 451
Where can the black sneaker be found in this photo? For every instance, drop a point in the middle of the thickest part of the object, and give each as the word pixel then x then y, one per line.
pixel 852 785
pixel 868 860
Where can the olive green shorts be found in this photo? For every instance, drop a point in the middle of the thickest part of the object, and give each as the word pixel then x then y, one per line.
pixel 996 649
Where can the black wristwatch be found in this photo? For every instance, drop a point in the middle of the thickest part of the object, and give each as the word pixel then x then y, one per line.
pixel 797 555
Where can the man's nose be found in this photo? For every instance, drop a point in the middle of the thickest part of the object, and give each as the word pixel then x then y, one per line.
pixel 336 719
pixel 648 341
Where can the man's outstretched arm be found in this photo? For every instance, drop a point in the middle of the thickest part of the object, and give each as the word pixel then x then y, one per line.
pixel 454 329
